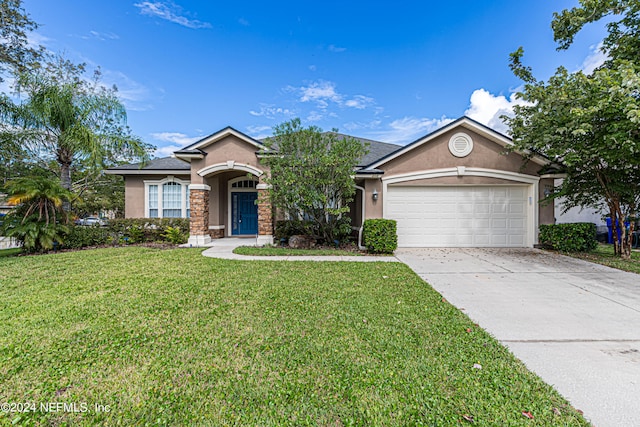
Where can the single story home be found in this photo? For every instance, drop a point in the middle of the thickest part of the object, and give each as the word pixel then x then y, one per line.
pixel 455 187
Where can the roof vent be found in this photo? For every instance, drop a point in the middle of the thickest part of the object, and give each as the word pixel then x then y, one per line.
pixel 460 145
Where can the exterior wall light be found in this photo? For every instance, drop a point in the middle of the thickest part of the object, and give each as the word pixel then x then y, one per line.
pixel 374 195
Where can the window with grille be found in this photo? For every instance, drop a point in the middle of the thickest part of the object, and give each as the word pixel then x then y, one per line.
pixel 188 202
pixel 171 200
pixel 247 183
pixel 153 201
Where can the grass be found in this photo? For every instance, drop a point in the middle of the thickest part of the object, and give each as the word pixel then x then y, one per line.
pixel 168 337
pixel 277 251
pixel 603 254
pixel 9 252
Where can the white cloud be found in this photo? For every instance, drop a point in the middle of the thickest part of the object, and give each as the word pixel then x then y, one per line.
pixel 259 132
pixel 166 151
pixel 270 111
pixel 35 40
pixel 134 95
pixel 314 116
pixel 243 22
pixel 359 102
pixel 170 12
pixel 487 108
pixel 101 36
pixel 407 129
pixel 323 93
pixel 320 92
pixel 334 48
pixel 313 67
pixel 595 59
pixel 177 138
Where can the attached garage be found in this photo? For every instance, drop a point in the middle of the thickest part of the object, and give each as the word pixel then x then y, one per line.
pixel 460 216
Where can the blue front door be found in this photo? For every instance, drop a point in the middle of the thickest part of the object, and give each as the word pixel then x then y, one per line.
pixel 244 213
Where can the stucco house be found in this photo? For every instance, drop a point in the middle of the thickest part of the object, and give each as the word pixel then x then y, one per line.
pixel 455 187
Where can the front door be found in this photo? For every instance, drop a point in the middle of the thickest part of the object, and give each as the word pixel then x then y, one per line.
pixel 244 213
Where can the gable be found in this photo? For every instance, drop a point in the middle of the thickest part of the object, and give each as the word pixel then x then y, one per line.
pixel 223 134
pixel 489 151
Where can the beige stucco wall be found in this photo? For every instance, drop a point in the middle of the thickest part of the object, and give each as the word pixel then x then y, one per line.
pixel 435 154
pixel 134 193
pixel 456 180
pixel 227 149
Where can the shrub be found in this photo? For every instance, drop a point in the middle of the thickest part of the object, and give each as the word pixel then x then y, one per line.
pixel 142 230
pixel 33 235
pixel 379 236
pixel 175 235
pixel 80 236
pixel 574 237
pixel 130 230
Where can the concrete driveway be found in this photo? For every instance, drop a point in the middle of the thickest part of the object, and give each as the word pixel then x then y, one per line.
pixel 575 324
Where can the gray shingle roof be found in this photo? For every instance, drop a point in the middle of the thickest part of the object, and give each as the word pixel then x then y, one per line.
pixel 163 163
pixel 377 150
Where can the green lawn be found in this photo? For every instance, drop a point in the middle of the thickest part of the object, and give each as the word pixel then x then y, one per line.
pixel 168 337
pixel 275 251
pixel 9 252
pixel 603 254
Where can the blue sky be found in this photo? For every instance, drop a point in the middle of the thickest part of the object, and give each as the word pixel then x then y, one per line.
pixel 390 71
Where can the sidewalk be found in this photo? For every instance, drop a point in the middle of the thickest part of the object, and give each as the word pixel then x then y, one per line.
pixel 223 249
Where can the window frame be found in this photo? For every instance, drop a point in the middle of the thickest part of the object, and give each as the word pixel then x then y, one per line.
pixel 184 206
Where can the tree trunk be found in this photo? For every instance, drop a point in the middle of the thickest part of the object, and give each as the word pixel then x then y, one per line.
pixel 614 230
pixel 65 181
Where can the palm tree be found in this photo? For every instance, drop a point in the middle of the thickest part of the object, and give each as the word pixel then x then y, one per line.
pixel 70 120
pixel 38 221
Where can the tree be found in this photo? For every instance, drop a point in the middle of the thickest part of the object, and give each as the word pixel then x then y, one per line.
pixel 69 119
pixel 15 52
pixel 38 221
pixel 589 123
pixel 312 176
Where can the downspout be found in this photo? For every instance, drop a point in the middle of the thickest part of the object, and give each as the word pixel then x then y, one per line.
pixel 360 246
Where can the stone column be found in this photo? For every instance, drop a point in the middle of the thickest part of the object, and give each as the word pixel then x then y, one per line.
pixel 265 215
pixel 199 222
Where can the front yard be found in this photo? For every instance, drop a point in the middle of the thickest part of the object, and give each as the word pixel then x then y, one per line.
pixel 168 337
pixel 603 254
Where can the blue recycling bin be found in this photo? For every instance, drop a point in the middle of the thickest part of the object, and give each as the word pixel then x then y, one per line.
pixel 610 227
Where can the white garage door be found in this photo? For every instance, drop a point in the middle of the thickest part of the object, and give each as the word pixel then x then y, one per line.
pixel 492 216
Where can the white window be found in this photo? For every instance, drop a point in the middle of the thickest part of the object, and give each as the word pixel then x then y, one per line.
pixel 153 201
pixel 167 198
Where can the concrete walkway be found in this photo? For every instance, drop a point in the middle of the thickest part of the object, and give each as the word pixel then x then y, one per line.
pixel 223 248
pixel 574 323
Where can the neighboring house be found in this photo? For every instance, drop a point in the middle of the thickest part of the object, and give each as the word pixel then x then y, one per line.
pixel 5 206
pixel 455 187
pixel 593 215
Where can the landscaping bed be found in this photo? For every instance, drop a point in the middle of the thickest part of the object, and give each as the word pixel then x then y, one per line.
pixel 168 337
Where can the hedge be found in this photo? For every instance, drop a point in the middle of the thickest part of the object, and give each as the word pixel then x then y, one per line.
pixel 129 230
pixel 380 236
pixel 573 237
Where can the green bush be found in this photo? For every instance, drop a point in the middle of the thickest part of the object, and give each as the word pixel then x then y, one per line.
pixel 574 237
pixel 380 236
pixel 81 236
pixel 144 230
pixel 129 230
pixel 175 235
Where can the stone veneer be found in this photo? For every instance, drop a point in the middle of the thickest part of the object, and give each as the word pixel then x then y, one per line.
pixel 216 234
pixel 199 222
pixel 265 214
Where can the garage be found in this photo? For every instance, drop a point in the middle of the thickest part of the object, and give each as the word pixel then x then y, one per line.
pixel 460 216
